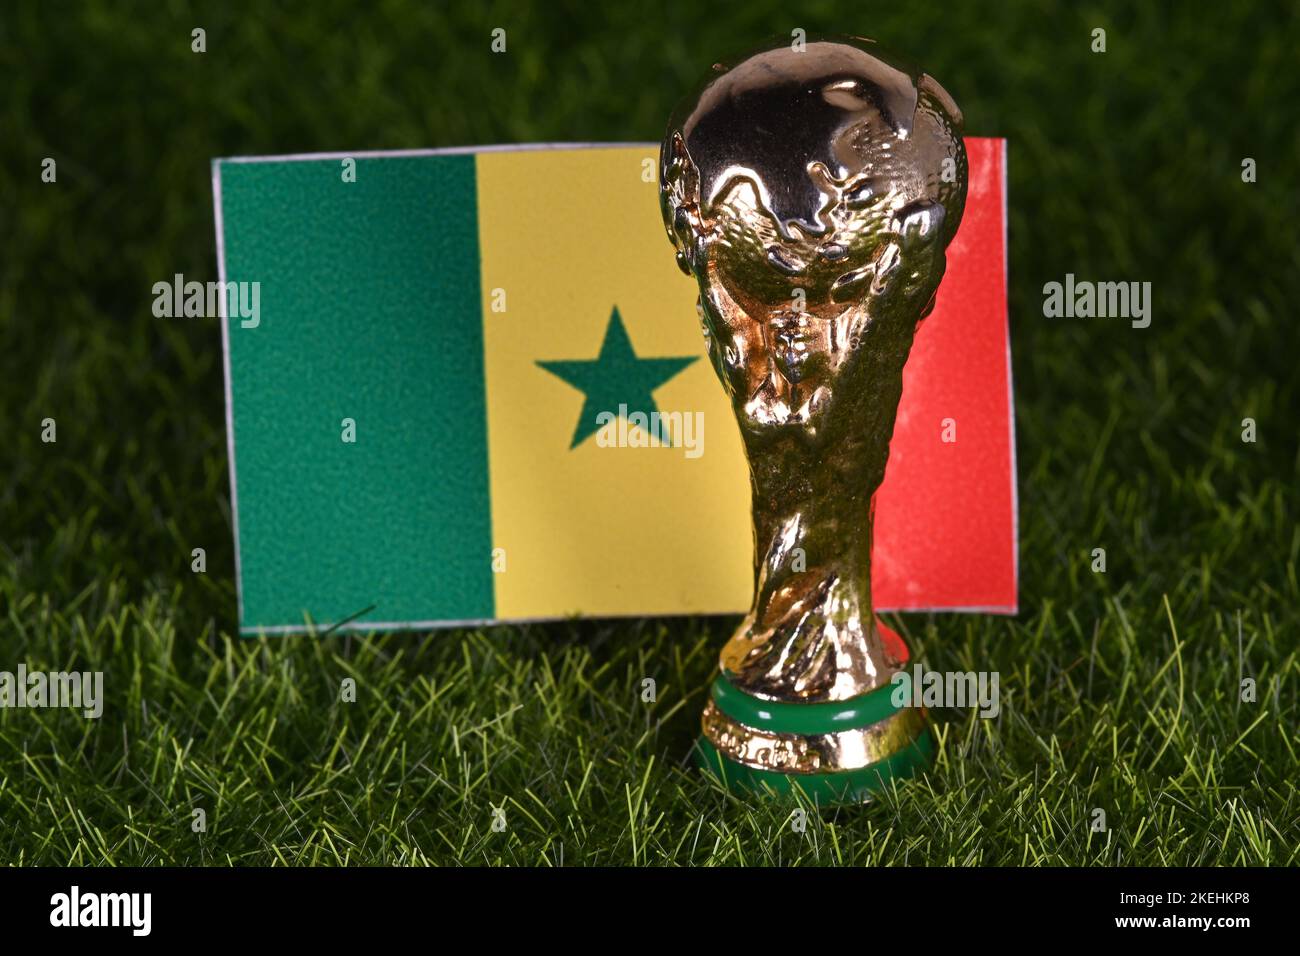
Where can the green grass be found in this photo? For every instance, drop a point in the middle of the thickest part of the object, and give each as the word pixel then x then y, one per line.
pixel 1119 691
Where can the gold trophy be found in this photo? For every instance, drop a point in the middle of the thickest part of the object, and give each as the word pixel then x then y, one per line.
pixel 811 191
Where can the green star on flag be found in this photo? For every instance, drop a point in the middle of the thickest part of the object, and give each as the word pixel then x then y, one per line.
pixel 616 381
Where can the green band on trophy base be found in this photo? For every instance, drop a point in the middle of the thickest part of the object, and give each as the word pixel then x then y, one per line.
pixel 845 786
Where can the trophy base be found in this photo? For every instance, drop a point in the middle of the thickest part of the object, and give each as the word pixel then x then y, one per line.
pixel 832 752
pixel 824 789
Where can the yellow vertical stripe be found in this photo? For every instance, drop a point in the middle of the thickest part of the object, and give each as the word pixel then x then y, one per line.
pixel 568 235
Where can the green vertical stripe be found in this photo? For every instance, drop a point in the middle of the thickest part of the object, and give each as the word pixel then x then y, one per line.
pixel 370 310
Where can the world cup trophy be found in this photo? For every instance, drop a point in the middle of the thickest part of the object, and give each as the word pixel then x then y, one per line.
pixel 811 191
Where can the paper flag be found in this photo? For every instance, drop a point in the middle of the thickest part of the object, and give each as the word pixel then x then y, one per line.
pixel 411 396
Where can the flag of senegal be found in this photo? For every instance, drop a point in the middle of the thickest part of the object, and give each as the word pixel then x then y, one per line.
pixel 475 388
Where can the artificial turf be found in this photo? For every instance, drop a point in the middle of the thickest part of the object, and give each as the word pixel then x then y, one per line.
pixel 1119 691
